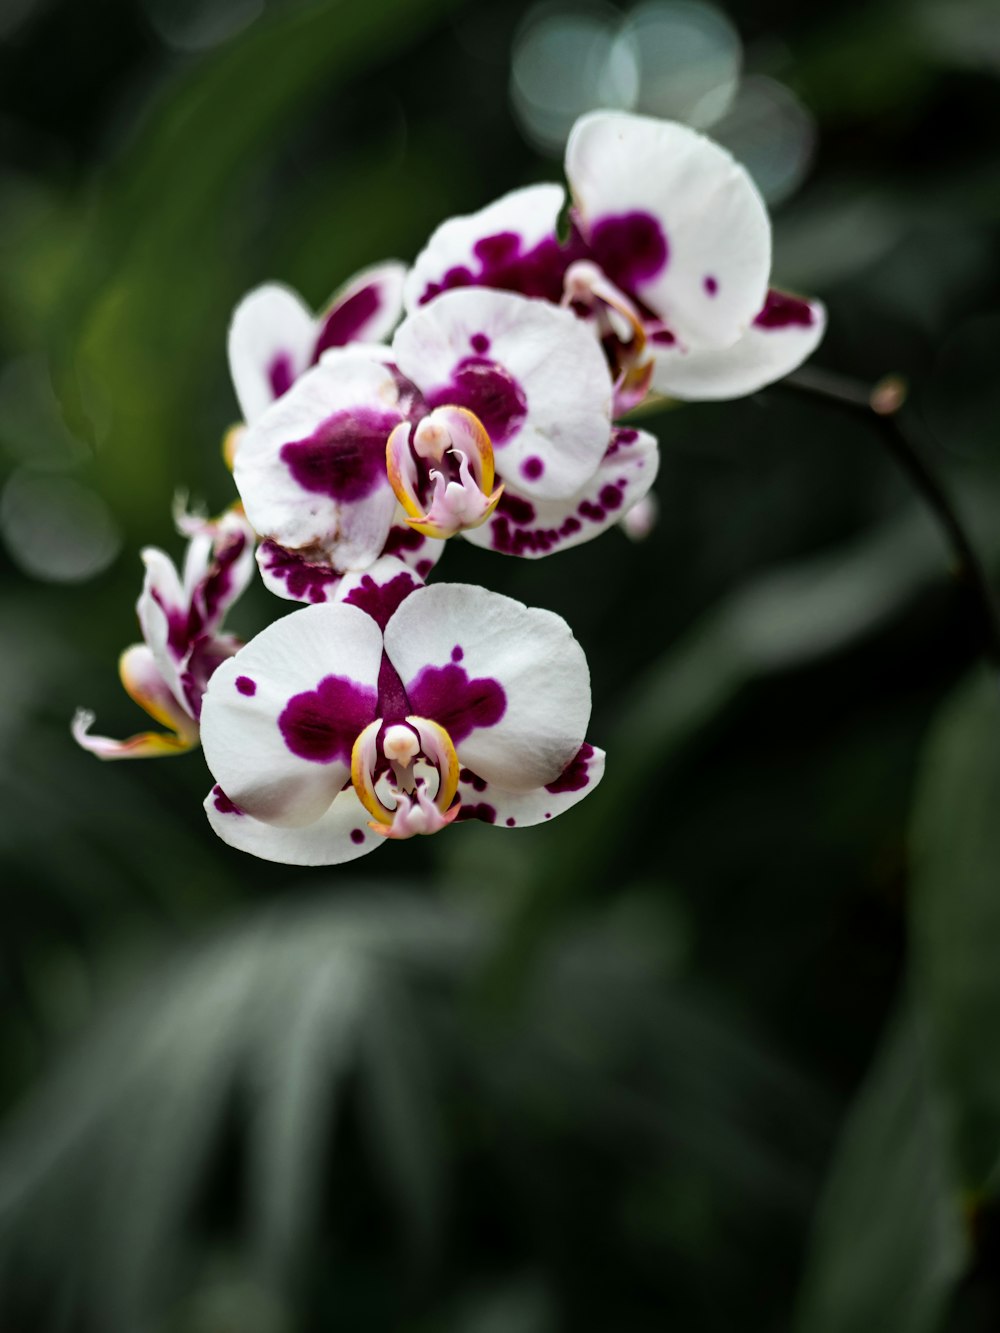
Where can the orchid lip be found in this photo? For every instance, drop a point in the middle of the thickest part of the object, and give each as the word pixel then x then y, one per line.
pixel 406 776
pixel 458 492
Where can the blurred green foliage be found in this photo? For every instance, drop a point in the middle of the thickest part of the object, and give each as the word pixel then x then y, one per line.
pixel 718 1049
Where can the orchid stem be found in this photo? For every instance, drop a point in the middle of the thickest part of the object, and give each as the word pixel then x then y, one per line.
pixel 883 407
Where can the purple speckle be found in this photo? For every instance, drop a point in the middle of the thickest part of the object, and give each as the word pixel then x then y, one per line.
pixel 322 724
pixel 488 390
pixel 610 497
pixel 456 653
pixel 481 811
pixel 532 468
pixel 630 247
pixel 246 686
pixel 381 600
pixel 346 319
pixel 280 374
pixel 447 696
pixel 223 804
pixel 781 310
pixel 510 821
pixel 548 814
pixel 710 284
pixel 663 337
pixel 479 343
pixel 473 780
pixel 344 457
pixel 304 580
pixel 516 508
pixel 574 776
pixel 403 539
pixel 424 567
pixel 357 836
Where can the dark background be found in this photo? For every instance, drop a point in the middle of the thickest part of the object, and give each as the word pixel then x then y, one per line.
pixel 719 1049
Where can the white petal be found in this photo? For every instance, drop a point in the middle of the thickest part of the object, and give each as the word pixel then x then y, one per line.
pixel 672 219
pixel 534 528
pixel 509 244
pixel 533 373
pixel 164 617
pixel 783 335
pixel 486 801
pixel 509 683
pixel 365 310
pixel 278 720
pixel 311 470
pixel 271 339
pixel 341 834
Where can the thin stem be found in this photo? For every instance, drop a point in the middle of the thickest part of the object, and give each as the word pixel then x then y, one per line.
pixel 883 406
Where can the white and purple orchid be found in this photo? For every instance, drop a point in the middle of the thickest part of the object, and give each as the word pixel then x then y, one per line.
pixel 490 414
pixel 330 733
pixel 181 617
pixel 668 258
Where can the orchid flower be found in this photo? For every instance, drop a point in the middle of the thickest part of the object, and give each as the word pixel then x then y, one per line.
pixel 490 414
pixel 180 614
pixel 329 733
pixel 274 337
pixel 668 259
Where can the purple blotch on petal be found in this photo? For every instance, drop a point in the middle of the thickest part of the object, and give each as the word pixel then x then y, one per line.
pixel 456 653
pixel 630 247
pixel 781 311
pixel 473 780
pixel 574 776
pixel 381 600
pixel 491 392
pixel 357 836
pixel 280 374
pixel 322 724
pixel 510 821
pixel 344 457
pixel 246 686
pixel 223 804
pixel 481 811
pixel 532 468
pixel 710 284
pixel 479 343
pixel 346 319
pixel 304 580
pixel 447 696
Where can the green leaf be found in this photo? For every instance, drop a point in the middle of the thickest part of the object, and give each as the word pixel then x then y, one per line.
pixel 888 1245
pixel 956 915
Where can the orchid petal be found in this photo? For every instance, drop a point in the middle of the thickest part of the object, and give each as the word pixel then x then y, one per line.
pixel 365 310
pixel 487 802
pixel 508 683
pixel 510 244
pixel 673 220
pixel 144 683
pixel 311 470
pixel 784 333
pixel 340 834
pixel 271 339
pixel 278 720
pixel 532 373
pixel 534 528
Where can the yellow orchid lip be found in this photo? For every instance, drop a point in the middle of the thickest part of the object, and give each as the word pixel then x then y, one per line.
pixel 403 745
pixel 450 437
